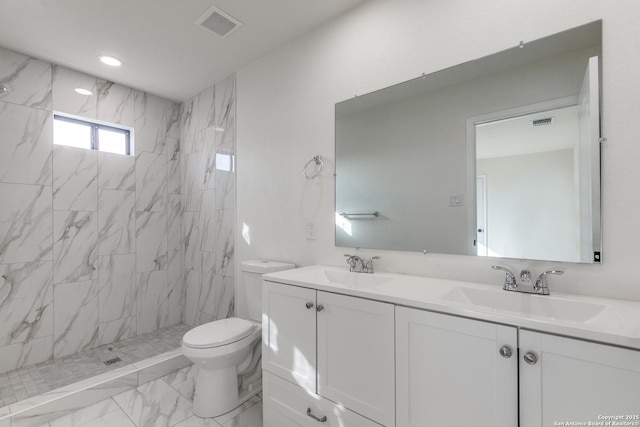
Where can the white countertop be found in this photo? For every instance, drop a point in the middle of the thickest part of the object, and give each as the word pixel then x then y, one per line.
pixel 604 320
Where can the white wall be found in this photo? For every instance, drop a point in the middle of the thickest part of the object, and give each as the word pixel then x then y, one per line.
pixel 521 192
pixel 286 116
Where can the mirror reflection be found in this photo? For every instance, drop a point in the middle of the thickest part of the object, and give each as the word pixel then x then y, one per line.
pixel 495 157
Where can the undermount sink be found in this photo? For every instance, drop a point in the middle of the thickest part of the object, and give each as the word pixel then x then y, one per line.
pixel 354 280
pixel 547 306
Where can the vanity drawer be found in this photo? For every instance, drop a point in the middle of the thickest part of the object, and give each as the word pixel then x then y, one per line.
pixel 286 405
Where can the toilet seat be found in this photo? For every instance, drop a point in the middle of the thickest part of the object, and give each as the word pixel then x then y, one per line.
pixel 218 333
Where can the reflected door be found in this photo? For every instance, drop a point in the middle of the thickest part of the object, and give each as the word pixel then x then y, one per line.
pixel 481 222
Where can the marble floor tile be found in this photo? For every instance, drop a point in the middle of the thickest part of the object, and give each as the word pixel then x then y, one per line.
pixel 86 415
pixel 154 404
pixel 252 417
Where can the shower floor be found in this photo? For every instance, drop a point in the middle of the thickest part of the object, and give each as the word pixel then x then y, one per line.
pixel 36 379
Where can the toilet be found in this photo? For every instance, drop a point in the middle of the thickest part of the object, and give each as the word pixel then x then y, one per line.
pixel 228 351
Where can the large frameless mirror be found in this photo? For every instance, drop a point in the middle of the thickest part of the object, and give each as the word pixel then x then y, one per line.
pixel 495 157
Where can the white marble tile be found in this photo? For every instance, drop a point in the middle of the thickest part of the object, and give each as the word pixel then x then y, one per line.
pixel 206 108
pixel 193 284
pixel 217 292
pixel 151 182
pixel 25 145
pixel 173 166
pixel 117 287
pixel 151 241
pixel 150 123
pixel 15 356
pixel 4 414
pixel 75 321
pixel 117 222
pixel 162 368
pixel 159 358
pixel 25 223
pixel 75 246
pixel 229 417
pixel 208 160
pixel 154 404
pixel 181 376
pixel 173 119
pixel 225 177
pixel 116 172
pixel 191 182
pixel 67 100
pixel 174 227
pixel 26 301
pixel 252 417
pixel 75 179
pixel 207 221
pixel 115 103
pixel 66 400
pixel 225 110
pixel 116 330
pixel 224 250
pixel 194 421
pixel 88 414
pixel 175 282
pixel 189 125
pixel 29 80
pixel 152 306
pixel 191 227
pixel 186 388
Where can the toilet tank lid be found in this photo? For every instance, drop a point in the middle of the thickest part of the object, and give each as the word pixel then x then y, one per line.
pixel 264 266
pixel 218 333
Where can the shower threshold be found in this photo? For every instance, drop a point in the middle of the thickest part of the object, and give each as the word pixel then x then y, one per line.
pixel 35 394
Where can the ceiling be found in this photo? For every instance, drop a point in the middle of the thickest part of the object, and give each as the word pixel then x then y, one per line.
pixel 517 137
pixel 164 51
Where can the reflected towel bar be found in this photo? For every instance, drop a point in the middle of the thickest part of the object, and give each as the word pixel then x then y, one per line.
pixel 347 215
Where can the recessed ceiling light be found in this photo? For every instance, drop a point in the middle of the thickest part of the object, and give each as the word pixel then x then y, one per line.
pixel 110 60
pixel 84 92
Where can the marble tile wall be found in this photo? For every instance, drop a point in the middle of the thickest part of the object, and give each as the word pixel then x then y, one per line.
pixel 207 125
pixel 90 243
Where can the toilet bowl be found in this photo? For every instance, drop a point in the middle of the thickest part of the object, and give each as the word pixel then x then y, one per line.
pixel 228 351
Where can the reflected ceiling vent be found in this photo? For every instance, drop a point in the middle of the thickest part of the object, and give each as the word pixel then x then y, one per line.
pixel 218 22
pixel 542 122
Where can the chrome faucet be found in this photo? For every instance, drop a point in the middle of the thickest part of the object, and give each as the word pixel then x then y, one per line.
pixel 358 265
pixel 353 261
pixel 526 285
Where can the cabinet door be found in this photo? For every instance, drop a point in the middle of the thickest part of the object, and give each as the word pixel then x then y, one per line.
pixel 574 380
pixel 289 333
pixel 356 355
pixel 287 405
pixel 450 371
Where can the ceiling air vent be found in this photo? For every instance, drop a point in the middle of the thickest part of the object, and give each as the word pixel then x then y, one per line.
pixel 218 22
pixel 542 122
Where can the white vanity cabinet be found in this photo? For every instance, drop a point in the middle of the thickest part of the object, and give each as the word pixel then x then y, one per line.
pixel 458 371
pixel 455 371
pixel 564 379
pixel 335 349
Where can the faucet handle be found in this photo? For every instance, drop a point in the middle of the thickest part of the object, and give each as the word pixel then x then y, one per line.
pixel 541 281
pixel 510 279
pixel 368 267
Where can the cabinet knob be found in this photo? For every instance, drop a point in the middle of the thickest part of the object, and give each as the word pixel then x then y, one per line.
pixel 319 307
pixel 319 419
pixel 506 351
pixel 309 305
pixel 530 358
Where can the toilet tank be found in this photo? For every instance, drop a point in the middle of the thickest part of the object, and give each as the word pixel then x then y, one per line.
pixel 252 272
